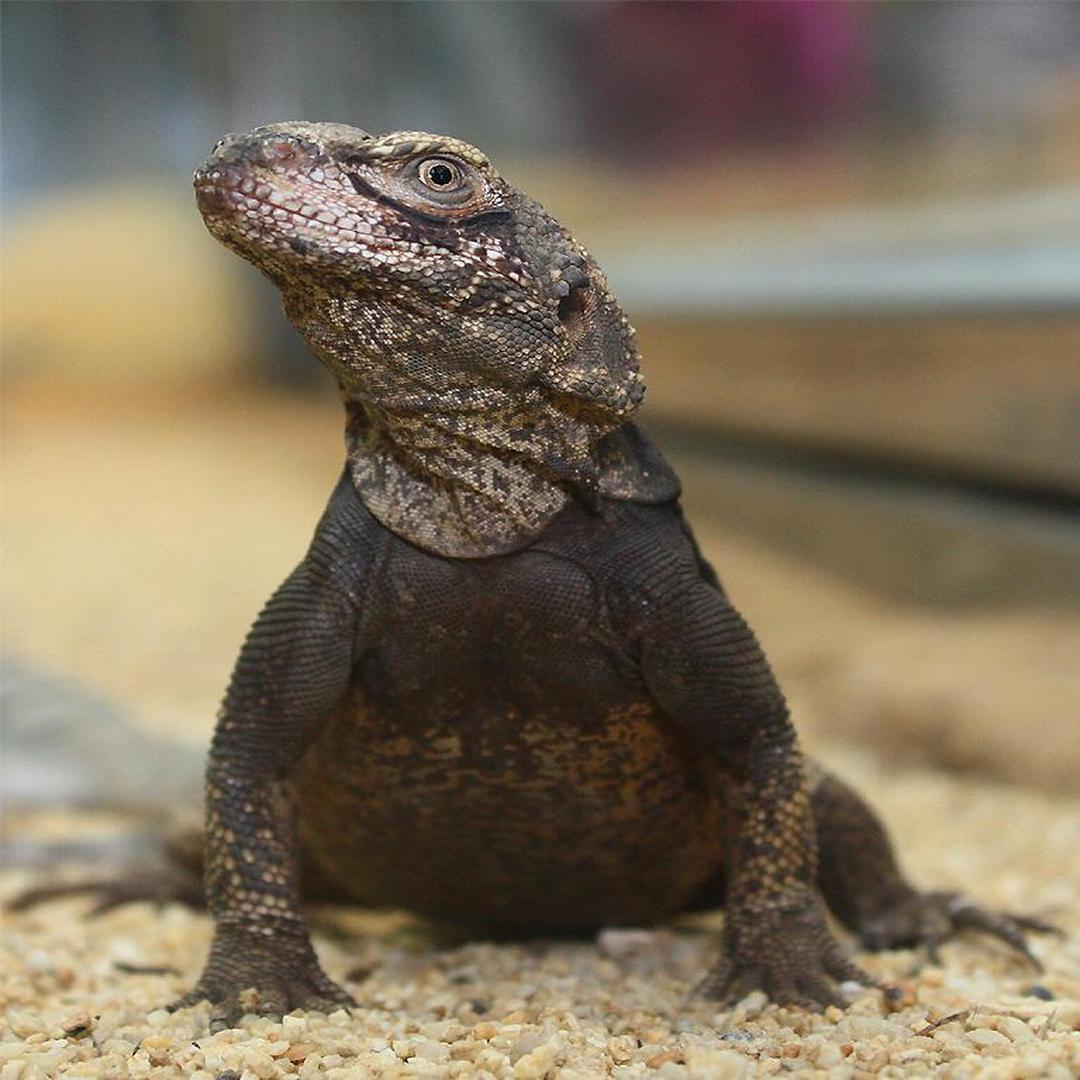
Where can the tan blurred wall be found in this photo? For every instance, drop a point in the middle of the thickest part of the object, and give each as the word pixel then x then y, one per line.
pixel 120 285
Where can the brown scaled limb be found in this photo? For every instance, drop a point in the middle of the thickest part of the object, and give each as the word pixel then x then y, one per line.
pixel 175 876
pixel 788 953
pixel 932 918
pixel 263 974
pixel 865 888
pixel 160 883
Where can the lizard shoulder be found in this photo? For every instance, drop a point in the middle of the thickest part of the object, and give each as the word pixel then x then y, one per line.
pixel 632 468
pixel 347 543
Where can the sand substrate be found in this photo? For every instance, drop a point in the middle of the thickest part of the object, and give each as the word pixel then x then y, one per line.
pixel 76 1004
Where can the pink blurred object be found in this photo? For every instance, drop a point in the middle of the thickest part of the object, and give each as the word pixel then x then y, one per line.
pixel 676 77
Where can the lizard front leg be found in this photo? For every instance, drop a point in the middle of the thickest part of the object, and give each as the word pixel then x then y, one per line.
pixel 706 670
pixel 776 937
pixel 293 670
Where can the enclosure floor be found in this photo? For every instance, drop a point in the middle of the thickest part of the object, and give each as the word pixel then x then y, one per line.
pixel 432 1005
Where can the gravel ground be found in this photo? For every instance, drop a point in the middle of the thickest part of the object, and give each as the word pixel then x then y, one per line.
pixel 431 1005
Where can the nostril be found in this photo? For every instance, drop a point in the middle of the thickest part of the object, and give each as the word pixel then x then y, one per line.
pixel 210 199
pixel 281 149
pixel 228 142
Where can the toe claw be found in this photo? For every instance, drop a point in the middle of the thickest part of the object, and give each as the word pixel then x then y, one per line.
pixel 1007 928
pixel 818 991
pixel 220 1022
pixel 328 1005
pixel 1036 925
pixel 193 997
pixel 843 969
pixel 712 981
pixel 725 985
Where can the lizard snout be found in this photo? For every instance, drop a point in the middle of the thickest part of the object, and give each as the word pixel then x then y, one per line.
pixel 266 147
pixel 236 160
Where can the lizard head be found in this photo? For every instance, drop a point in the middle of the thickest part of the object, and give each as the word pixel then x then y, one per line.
pixel 480 353
pixel 410 265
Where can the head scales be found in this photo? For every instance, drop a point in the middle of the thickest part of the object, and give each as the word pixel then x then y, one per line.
pixel 480 352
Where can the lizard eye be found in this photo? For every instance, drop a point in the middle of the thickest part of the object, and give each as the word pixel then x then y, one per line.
pixel 439 174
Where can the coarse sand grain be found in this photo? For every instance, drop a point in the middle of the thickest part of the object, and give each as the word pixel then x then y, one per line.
pixel 82 997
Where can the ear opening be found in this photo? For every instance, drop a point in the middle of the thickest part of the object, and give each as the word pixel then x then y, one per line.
pixel 572 307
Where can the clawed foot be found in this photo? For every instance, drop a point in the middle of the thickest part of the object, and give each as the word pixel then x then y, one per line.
pixel 932 918
pixel 266 976
pixel 268 995
pixel 790 955
pixel 247 972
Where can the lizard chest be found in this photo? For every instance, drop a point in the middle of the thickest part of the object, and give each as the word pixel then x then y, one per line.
pixel 503 762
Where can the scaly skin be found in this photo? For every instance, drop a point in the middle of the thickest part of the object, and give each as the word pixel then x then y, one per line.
pixel 503 686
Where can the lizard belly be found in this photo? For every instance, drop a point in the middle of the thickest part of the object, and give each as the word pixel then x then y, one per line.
pixel 534 821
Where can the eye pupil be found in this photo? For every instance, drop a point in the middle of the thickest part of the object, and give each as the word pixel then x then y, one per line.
pixel 440 174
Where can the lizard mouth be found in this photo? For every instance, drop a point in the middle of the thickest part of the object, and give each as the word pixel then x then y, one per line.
pixel 220 197
pixel 272 191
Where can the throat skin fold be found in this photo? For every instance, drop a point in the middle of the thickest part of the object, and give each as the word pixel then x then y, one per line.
pixel 462 457
pixel 449 482
pixel 482 481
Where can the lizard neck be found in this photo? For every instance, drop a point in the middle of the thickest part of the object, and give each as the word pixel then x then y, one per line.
pixel 451 488
pixel 459 444
pixel 467 484
pixel 459 460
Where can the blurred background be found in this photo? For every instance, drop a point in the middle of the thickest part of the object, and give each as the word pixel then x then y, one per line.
pixel 849 237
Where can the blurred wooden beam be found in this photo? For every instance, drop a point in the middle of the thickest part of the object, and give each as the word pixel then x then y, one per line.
pixel 996 397
pixel 912 538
